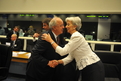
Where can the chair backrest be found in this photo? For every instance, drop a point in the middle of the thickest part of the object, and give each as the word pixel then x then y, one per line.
pixel 117 48
pixel 2 40
pixel 112 63
pixel 5 60
pixel 22 44
pixel 30 45
pixel 103 47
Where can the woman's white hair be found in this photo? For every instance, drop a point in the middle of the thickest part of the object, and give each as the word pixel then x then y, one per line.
pixel 75 20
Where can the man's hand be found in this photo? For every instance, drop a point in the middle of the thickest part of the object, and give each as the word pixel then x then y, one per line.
pixel 53 63
pixel 36 35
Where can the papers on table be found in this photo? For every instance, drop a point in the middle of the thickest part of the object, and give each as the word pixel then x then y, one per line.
pixel 15 54
pixel 29 54
pixel 20 53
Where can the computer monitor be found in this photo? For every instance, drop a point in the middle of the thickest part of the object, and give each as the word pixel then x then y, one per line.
pixel 89 37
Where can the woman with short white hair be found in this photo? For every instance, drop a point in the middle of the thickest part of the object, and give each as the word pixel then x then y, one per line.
pixel 89 64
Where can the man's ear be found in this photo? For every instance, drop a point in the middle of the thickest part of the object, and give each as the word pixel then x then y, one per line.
pixel 54 27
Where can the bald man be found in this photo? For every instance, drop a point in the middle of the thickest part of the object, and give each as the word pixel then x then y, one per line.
pixel 15 43
pixel 38 68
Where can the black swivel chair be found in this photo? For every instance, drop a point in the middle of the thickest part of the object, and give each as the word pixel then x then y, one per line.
pixel 30 45
pixel 102 47
pixel 112 63
pixel 5 60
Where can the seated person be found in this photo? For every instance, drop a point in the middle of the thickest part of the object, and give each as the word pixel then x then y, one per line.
pixel 15 43
pixel 31 31
pixel 25 34
pixel 14 31
pixel 45 23
pixel 2 31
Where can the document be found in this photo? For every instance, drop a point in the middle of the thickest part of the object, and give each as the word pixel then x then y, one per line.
pixel 21 52
pixel 29 54
pixel 14 54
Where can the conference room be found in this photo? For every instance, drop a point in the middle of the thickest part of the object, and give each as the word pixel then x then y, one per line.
pixel 101 26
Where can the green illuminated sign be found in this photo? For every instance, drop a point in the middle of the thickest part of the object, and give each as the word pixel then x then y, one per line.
pixel 27 15
pixel 103 16
pixel 97 16
pixel 91 16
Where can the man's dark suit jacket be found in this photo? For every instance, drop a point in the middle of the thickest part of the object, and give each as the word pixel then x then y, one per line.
pixel 16 46
pixel 41 54
pixel 9 35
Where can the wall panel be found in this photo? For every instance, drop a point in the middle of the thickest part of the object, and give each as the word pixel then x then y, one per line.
pixel 60 6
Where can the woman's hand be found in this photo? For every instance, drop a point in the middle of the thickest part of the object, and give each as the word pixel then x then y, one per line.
pixel 46 37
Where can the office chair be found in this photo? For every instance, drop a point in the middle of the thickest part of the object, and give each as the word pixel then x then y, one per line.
pixel 30 45
pixel 2 40
pixel 5 60
pixel 112 63
pixel 102 47
pixel 117 48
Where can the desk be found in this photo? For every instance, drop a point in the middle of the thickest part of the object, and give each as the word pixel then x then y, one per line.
pixel 20 56
pixel 19 62
pixel 25 40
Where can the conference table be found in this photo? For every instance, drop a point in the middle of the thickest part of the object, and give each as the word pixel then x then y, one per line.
pixel 19 62
pixel 20 56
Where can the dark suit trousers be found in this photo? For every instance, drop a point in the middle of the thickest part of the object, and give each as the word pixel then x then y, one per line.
pixel 33 74
pixel 70 72
pixel 94 72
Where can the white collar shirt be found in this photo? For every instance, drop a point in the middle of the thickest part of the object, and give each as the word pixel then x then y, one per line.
pixel 55 35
